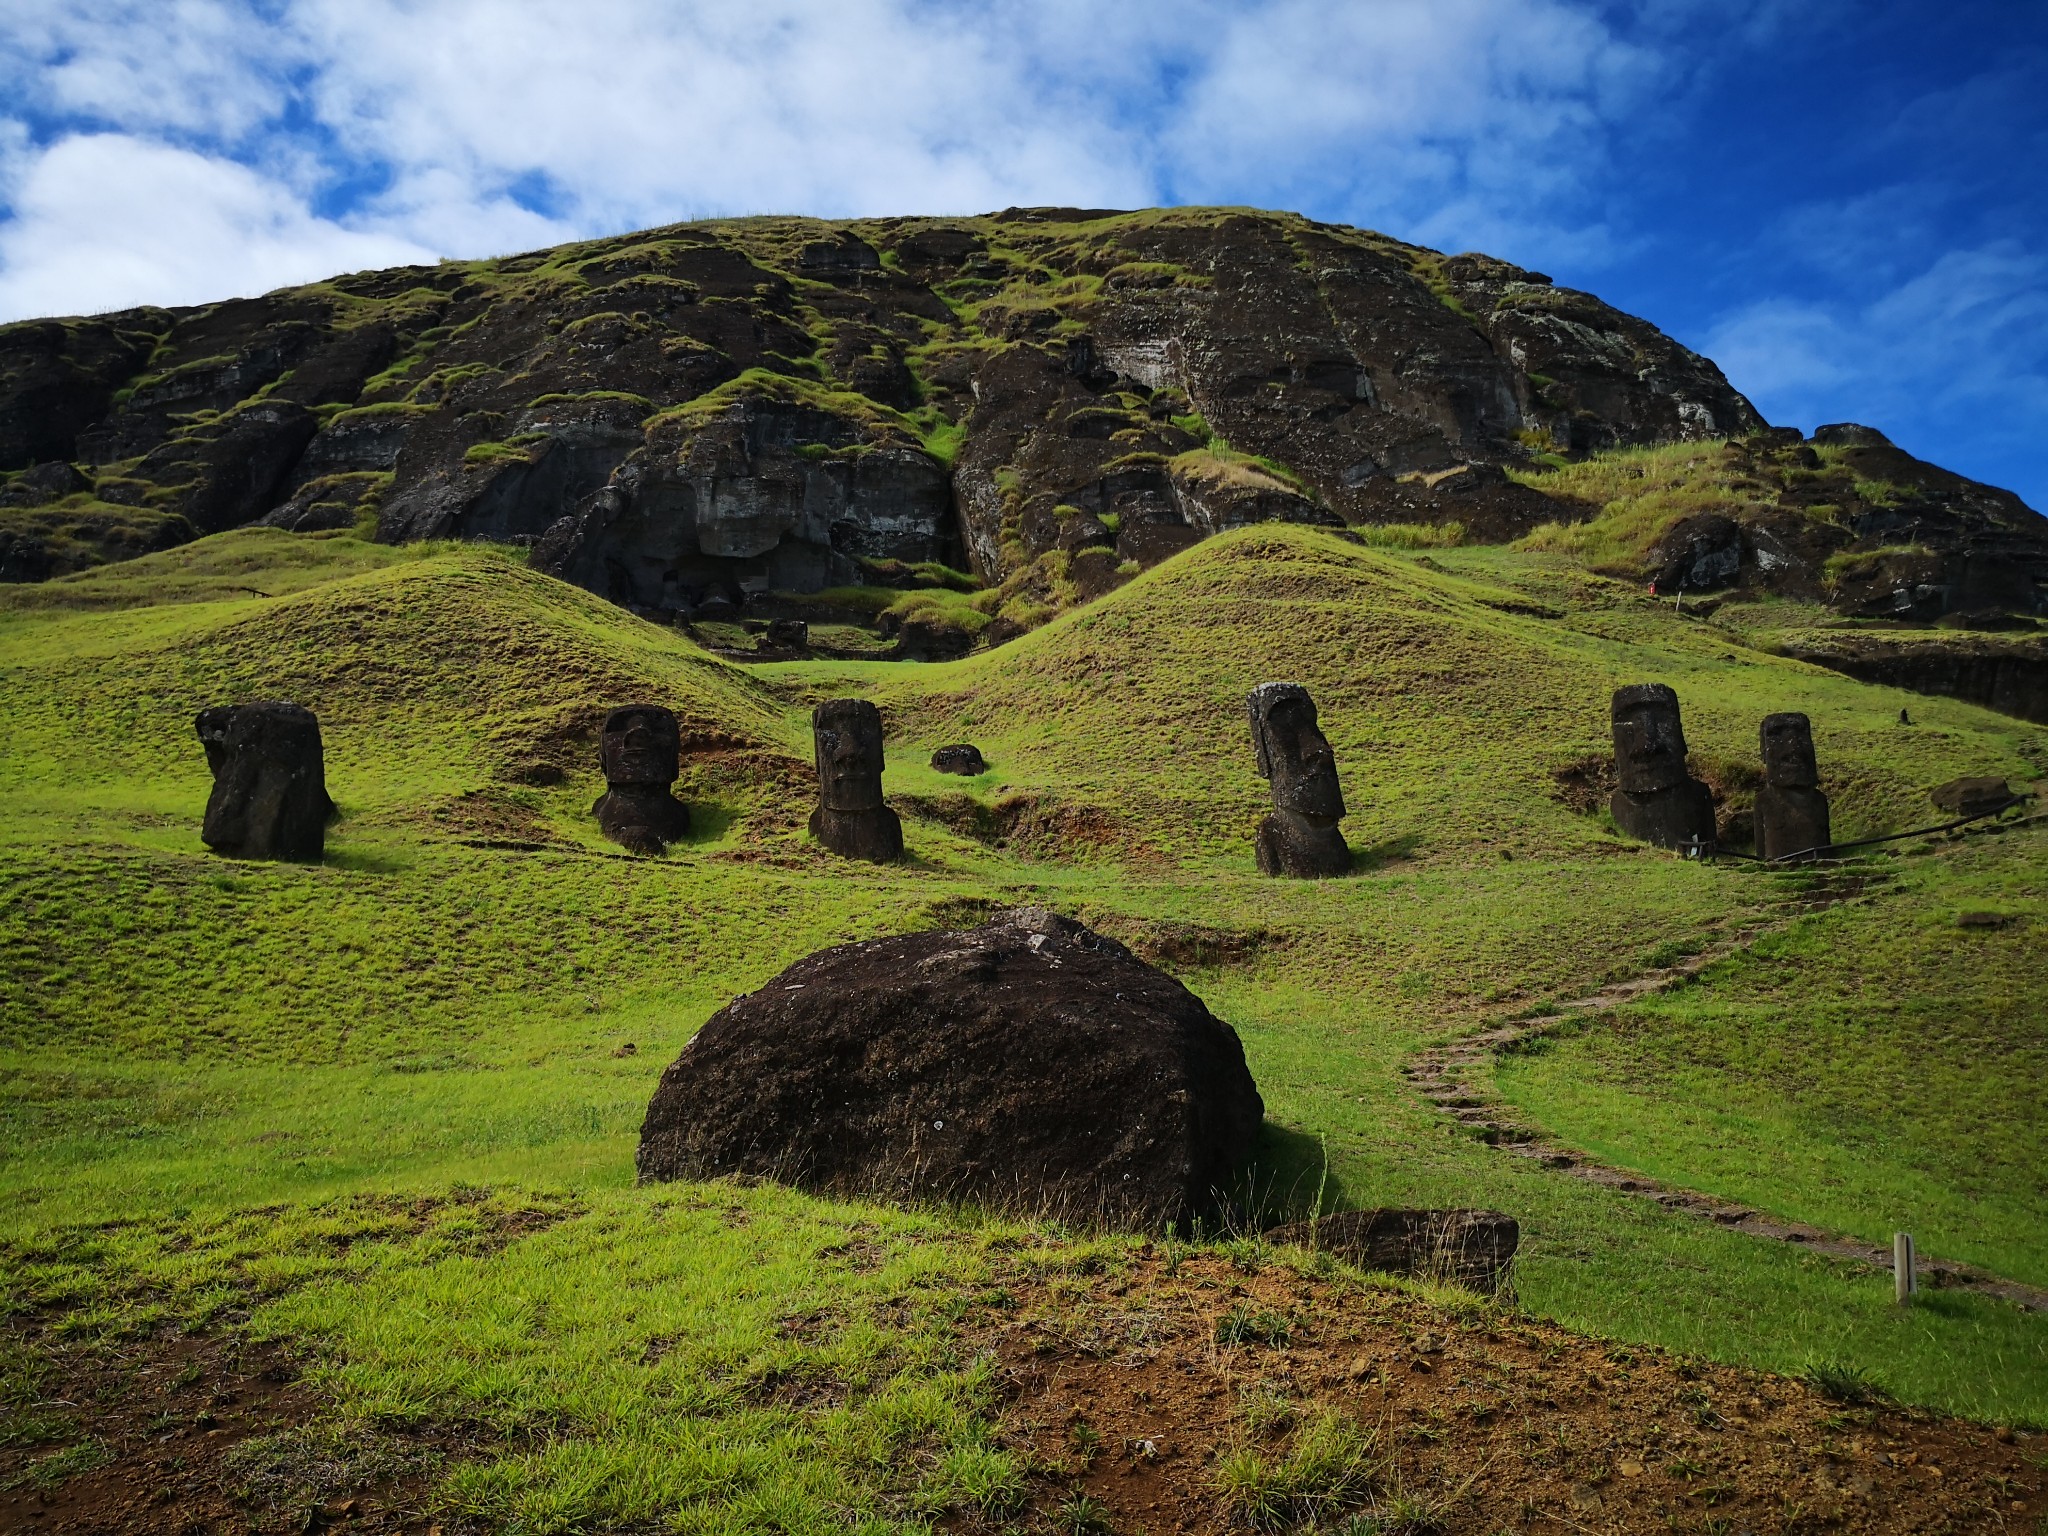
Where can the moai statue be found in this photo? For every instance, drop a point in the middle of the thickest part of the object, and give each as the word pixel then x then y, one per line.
pixel 1657 801
pixel 641 751
pixel 1791 811
pixel 269 797
pixel 851 818
pixel 1300 836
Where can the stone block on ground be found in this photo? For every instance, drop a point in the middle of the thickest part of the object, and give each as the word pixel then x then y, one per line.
pixel 962 758
pixel 1474 1249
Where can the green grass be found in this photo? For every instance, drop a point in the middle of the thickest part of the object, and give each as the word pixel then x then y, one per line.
pixel 1874 1069
pixel 716 1359
pixel 249 562
pixel 1641 493
pixel 187 1041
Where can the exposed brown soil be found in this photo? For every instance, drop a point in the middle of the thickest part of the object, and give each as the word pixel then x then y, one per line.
pixel 203 1431
pixel 170 1420
pixel 493 814
pixel 1482 1422
pixel 1035 826
pixel 1585 785
pixel 1188 946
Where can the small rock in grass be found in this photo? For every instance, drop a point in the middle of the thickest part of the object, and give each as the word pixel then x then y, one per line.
pixel 1474 1249
pixel 962 758
pixel 1971 796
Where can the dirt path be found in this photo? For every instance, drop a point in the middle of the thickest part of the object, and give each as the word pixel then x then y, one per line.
pixel 1445 1075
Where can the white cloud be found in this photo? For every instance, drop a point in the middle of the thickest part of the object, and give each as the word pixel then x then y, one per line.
pixel 191 67
pixel 103 221
pixel 475 126
pixel 639 114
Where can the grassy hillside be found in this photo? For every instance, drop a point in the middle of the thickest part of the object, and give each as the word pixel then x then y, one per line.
pixel 444 1006
pixel 1879 1067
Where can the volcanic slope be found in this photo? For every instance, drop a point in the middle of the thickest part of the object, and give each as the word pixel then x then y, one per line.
pixel 432 1028
pixel 757 409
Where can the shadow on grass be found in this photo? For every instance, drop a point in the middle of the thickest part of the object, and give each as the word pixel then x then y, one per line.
pixel 1289 1179
pixel 1391 851
pixel 368 861
pixel 709 823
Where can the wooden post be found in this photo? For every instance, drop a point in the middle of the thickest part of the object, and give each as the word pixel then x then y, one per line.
pixel 1903 1282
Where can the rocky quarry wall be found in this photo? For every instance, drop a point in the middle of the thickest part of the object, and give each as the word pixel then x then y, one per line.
pixel 715 410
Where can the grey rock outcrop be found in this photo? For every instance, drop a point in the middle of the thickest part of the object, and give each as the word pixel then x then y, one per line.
pixel 1052 398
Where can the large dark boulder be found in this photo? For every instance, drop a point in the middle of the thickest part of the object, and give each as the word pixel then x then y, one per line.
pixel 1701 554
pixel 1029 1064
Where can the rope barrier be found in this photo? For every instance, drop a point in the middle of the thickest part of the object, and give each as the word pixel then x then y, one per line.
pixel 1824 850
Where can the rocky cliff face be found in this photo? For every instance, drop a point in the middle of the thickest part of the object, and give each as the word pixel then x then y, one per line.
pixel 1053 398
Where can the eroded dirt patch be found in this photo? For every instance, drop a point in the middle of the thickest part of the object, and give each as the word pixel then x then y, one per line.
pixel 1034 826
pixel 1179 946
pixel 178 1433
pixel 1141 1391
pixel 130 1417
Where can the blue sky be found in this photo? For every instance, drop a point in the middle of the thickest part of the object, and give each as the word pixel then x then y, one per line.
pixel 1842 203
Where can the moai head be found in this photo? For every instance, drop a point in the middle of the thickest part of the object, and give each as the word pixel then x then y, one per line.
pixel 848 736
pixel 1788 752
pixel 1293 752
pixel 269 798
pixel 1649 742
pixel 640 745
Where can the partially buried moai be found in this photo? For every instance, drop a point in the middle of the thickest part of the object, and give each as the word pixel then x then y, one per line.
pixel 851 818
pixel 1657 799
pixel 1299 837
pixel 1791 811
pixel 641 753
pixel 269 797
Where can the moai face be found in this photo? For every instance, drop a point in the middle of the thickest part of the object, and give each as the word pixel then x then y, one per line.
pixel 1788 752
pixel 1293 752
pixel 214 725
pixel 1649 742
pixel 640 745
pixel 848 736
